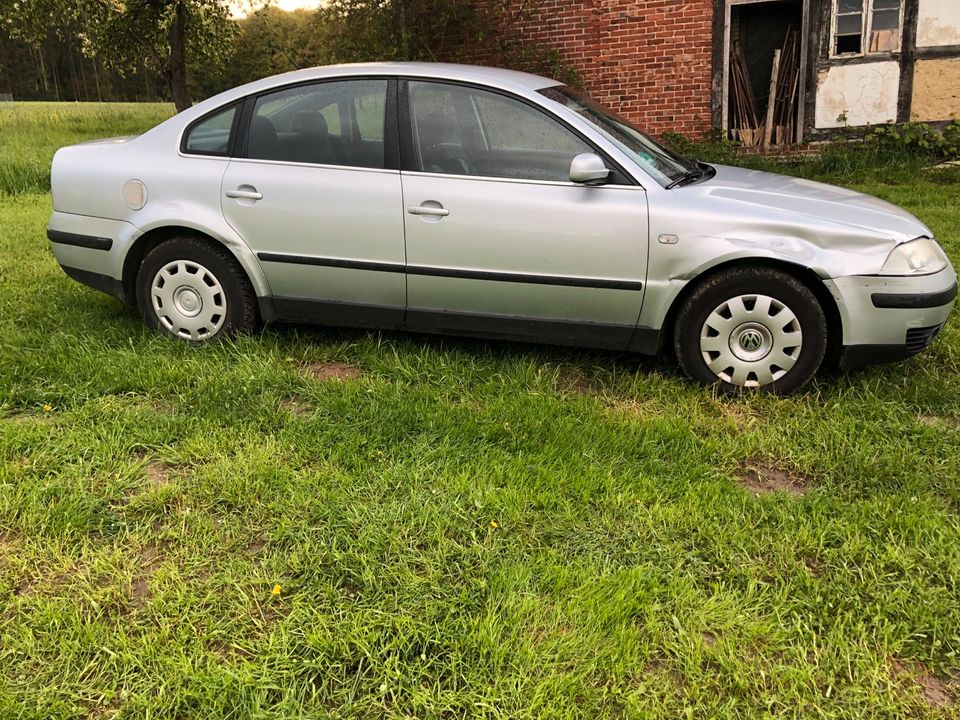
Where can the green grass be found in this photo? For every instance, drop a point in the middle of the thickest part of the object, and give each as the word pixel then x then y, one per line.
pixel 30 134
pixel 468 529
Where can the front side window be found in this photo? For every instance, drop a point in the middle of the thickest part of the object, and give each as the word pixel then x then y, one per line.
pixel 330 123
pixel 211 136
pixel 467 131
pixel 663 164
pixel 866 26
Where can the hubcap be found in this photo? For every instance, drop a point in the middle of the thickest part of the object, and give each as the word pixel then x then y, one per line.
pixel 188 300
pixel 751 340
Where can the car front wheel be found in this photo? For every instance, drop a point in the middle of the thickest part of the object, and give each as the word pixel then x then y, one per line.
pixel 195 291
pixel 751 328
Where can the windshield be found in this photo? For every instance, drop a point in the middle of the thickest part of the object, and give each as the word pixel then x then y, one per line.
pixel 663 164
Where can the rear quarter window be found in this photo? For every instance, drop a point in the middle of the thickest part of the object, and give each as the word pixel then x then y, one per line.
pixel 211 135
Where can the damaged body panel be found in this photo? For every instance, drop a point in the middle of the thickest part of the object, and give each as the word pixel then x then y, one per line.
pixel 747 215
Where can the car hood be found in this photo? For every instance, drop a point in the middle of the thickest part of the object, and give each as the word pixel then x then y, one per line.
pixel 812 202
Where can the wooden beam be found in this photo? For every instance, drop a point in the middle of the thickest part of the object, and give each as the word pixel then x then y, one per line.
pixel 771 101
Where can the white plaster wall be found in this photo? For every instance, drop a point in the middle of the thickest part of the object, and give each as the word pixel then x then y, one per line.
pixel 938 23
pixel 866 93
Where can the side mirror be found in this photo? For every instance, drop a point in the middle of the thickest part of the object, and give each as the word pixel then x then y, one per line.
pixel 588 169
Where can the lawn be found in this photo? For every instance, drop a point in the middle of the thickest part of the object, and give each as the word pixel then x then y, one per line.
pixel 333 524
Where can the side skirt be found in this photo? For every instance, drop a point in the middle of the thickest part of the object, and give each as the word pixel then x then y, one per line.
pixel 339 314
pixel 498 327
pixel 98 281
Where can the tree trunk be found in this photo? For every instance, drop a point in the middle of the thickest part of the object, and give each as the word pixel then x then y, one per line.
pixel 177 75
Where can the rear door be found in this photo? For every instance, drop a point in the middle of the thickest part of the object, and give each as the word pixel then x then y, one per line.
pixel 316 194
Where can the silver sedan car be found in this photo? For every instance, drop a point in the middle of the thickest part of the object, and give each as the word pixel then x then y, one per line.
pixel 478 201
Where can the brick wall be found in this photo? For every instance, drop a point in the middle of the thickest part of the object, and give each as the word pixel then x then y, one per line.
pixel 648 59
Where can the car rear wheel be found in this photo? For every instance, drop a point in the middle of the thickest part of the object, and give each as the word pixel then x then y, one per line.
pixel 195 291
pixel 751 328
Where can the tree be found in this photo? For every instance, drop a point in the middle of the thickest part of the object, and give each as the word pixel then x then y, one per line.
pixel 479 31
pixel 128 34
pixel 269 41
pixel 359 30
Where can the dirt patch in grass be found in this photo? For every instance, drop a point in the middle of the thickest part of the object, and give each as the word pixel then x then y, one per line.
pixel 577 382
pixel 9 548
pixel 630 408
pixel 738 412
pixel 763 478
pixel 104 712
pixel 226 650
pixel 140 585
pixel 330 371
pixel 46 581
pixel 158 474
pixel 933 689
pixel 296 406
pixel 256 546
pixel 709 639
pixel 939 421
pixel 659 667
pixel 39 417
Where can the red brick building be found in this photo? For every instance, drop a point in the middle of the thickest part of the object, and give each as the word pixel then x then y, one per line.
pixel 669 64
pixel 630 53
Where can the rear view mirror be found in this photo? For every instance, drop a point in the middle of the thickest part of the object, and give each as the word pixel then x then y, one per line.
pixel 589 169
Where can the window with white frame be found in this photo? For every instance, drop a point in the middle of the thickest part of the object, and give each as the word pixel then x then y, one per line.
pixel 862 27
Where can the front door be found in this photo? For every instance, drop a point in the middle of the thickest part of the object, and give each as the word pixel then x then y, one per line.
pixel 499 241
pixel 317 196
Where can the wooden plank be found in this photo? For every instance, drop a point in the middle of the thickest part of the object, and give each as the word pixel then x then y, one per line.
pixel 771 101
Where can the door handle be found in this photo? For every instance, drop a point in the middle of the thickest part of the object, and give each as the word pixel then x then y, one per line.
pixel 244 194
pixel 427 210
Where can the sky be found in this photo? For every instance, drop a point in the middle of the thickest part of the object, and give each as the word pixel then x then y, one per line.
pixel 242 7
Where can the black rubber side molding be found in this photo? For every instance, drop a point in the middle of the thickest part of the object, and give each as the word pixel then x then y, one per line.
pixel 421 270
pixel 914 301
pixel 85 241
pixel 563 280
pixel 330 262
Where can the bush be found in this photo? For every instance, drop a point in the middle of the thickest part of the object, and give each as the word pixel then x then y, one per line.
pixel 918 139
pixel 885 154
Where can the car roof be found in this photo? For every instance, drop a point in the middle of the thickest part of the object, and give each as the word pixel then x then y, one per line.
pixel 510 80
pixel 446 71
pixel 520 82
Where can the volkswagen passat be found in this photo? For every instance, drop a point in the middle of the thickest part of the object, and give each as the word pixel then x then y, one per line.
pixel 477 201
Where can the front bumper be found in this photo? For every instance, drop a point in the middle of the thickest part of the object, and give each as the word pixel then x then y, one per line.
pixel 891 318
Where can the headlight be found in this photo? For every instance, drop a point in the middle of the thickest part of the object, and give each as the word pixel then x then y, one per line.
pixel 918 257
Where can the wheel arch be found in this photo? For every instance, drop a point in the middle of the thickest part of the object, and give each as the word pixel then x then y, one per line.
pixel 803 274
pixel 158 234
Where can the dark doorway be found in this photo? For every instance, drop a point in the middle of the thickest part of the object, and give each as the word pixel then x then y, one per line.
pixel 757 31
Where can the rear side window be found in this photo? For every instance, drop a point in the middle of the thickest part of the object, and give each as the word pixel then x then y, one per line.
pixel 329 123
pixel 211 136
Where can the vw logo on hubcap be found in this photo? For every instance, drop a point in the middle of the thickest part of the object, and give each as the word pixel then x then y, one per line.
pixel 751 340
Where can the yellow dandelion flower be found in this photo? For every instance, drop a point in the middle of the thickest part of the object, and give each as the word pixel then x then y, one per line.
pixel 494 524
pixel 275 591
pixel 48 408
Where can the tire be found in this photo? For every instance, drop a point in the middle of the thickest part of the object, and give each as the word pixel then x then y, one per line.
pixel 196 291
pixel 751 328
